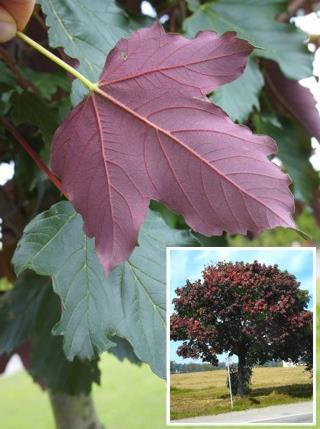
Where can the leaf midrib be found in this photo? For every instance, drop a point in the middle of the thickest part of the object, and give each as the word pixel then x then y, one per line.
pixel 146 292
pixel 96 112
pixel 31 261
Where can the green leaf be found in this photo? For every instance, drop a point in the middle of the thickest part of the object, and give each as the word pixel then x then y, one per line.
pixel 173 220
pixel 255 22
pixel 29 108
pixel 193 5
pixel 48 363
pixel 129 304
pixel 123 350
pixel 216 241
pixel 47 83
pixel 239 97
pixel 29 311
pixel 87 31
pixel 6 76
pixel 18 311
pixel 53 244
pixel 294 150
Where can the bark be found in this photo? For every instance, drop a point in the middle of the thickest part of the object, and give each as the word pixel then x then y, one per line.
pixel 74 412
pixel 241 374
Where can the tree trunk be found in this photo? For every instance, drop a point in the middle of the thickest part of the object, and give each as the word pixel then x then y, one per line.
pixel 74 412
pixel 241 374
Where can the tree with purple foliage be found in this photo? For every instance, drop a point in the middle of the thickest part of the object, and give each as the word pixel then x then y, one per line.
pixel 251 310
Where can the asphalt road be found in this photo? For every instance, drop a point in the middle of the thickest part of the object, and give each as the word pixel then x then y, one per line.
pixel 299 412
pixel 297 418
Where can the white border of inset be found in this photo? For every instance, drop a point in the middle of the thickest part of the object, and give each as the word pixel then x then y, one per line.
pixel 168 303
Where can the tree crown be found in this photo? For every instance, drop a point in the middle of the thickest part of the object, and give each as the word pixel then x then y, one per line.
pixel 248 309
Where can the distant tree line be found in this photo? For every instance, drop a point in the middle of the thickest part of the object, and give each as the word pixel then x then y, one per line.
pixel 193 367
pixel 200 367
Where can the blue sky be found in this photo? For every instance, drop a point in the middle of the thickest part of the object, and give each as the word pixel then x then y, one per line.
pixel 188 264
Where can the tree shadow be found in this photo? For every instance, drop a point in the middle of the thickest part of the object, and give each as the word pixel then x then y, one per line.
pixel 293 390
pixel 254 400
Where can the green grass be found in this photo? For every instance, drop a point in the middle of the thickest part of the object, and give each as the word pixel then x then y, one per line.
pixel 205 393
pixel 130 397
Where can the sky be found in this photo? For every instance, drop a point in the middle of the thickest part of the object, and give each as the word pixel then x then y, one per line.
pixel 188 264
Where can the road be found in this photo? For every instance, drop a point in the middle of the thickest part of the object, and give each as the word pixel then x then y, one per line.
pixel 299 412
pixel 294 418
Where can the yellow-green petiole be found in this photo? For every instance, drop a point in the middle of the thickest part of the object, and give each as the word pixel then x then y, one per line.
pixel 92 86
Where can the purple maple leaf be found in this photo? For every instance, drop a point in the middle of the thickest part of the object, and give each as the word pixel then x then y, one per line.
pixel 149 132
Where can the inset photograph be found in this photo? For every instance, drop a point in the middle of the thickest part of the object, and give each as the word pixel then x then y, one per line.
pixel 241 336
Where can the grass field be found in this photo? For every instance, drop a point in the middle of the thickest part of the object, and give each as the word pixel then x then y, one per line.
pixel 130 397
pixel 205 393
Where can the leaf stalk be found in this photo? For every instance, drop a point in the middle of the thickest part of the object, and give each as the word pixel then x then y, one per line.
pixel 86 82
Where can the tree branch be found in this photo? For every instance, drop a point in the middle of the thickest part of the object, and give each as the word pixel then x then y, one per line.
pixel 293 7
pixel 42 166
pixel 10 62
pixel 11 215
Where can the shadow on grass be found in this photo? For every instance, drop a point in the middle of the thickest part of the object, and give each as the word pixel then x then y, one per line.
pixel 253 400
pixel 177 391
pixel 293 390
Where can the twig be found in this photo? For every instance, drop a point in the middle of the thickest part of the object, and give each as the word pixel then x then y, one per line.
pixel 38 161
pixel 293 7
pixel 10 62
pixel 11 215
pixel 183 10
